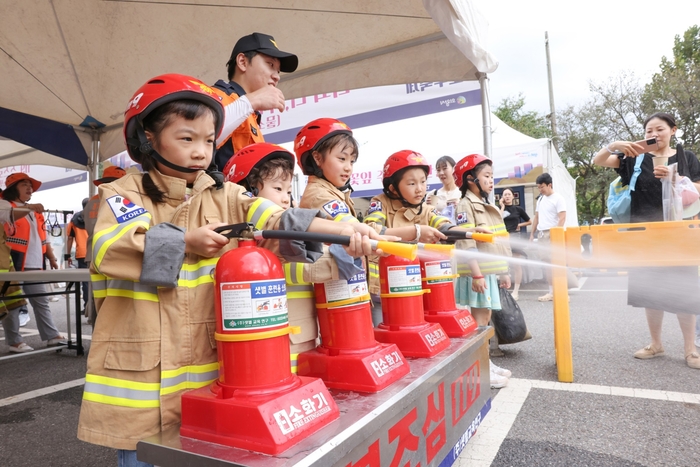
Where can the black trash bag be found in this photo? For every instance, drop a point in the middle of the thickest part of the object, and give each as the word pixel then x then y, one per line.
pixel 509 322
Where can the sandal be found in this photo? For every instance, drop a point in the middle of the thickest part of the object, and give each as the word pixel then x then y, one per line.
pixel 693 360
pixel 648 352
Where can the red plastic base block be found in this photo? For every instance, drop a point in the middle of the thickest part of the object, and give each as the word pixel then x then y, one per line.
pixel 362 371
pixel 422 341
pixel 269 424
pixel 456 323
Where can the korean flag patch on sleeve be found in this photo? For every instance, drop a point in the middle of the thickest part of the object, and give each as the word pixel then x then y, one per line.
pixel 336 207
pixel 123 209
pixel 374 206
pixel 461 218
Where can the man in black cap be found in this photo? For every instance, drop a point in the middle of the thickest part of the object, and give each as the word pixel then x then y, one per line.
pixel 253 71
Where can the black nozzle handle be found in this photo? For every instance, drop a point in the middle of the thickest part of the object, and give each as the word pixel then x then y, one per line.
pixel 302 236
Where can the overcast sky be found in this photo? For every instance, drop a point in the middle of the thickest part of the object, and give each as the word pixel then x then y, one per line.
pixel 590 40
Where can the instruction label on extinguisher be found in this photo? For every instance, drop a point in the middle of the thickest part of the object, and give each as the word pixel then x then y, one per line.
pixel 345 290
pixel 438 271
pixel 247 306
pixel 403 279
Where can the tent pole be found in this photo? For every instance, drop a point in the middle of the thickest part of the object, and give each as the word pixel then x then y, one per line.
pixel 486 120
pixel 485 112
pixel 93 163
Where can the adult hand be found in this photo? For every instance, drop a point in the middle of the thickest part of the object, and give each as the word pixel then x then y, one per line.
pixel 502 202
pixel 628 148
pixel 430 235
pixel 203 241
pixel 267 98
pixel 661 171
pixel 53 263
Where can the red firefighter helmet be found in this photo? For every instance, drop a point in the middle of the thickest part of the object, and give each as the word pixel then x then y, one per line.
pixel 159 91
pixel 239 166
pixel 466 164
pixel 403 160
pixel 313 134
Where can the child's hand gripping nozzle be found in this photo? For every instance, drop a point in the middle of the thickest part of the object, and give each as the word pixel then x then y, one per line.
pixel 247 231
pixel 459 234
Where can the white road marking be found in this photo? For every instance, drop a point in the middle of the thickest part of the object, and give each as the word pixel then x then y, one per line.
pixel 484 445
pixel 41 392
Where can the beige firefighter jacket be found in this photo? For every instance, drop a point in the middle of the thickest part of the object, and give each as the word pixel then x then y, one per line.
pixel 322 194
pixel 301 303
pixel 472 211
pixel 151 342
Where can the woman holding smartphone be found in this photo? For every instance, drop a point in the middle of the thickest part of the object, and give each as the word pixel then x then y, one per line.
pixel 673 289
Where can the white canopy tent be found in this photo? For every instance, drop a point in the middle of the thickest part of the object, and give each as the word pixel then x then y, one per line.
pixel 69 67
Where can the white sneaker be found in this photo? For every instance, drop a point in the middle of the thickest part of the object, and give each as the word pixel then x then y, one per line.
pixel 53 298
pixel 21 348
pixel 514 295
pixel 497 381
pixel 24 318
pixel 500 371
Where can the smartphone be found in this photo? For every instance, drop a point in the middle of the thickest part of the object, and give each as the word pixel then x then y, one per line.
pixel 648 144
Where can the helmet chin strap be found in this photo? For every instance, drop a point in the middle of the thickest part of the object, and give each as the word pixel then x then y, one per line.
pixel 482 193
pixel 147 150
pixel 405 203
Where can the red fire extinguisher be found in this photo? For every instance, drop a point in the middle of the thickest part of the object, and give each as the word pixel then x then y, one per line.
pixel 402 310
pixel 255 381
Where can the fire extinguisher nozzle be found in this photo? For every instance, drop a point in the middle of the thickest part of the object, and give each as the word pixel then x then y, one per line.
pixel 437 248
pixel 403 250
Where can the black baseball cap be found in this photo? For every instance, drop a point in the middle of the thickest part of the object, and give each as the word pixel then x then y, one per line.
pixel 265 44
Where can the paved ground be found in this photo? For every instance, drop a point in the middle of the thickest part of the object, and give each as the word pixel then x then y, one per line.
pixel 619 412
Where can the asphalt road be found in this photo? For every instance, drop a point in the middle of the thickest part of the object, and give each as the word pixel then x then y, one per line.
pixel 551 425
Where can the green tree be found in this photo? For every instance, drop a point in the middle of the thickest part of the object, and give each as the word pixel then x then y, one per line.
pixel 511 112
pixel 676 87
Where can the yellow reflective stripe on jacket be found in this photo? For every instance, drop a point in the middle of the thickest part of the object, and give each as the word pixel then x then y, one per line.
pixel 125 288
pixel 294 274
pixel 260 211
pixel 377 216
pixel 293 360
pixel 193 275
pixel 300 291
pixel 345 218
pixel 486 267
pixel 188 377
pixel 104 238
pixel 498 228
pixel 121 392
pixel 467 225
pixel 7 300
pixel 373 270
pixel 436 221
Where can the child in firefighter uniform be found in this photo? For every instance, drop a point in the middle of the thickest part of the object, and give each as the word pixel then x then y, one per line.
pixel 326 151
pixel 267 170
pixel 154 249
pixel 402 206
pixel 478 282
